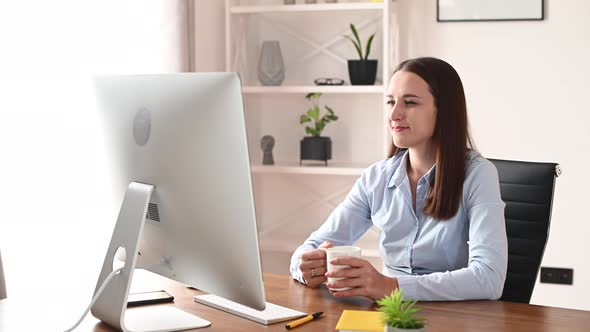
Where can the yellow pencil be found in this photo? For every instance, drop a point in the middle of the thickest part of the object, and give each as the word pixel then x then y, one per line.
pixel 303 320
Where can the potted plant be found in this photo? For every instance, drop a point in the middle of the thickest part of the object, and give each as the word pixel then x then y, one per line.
pixel 362 71
pixel 315 146
pixel 400 315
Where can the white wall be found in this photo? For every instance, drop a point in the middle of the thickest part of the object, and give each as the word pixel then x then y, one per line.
pixel 209 35
pixel 526 85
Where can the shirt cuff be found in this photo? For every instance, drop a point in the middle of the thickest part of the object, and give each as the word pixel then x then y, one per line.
pixel 409 287
pixel 296 273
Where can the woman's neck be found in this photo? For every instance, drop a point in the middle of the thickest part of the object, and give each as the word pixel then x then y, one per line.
pixel 421 160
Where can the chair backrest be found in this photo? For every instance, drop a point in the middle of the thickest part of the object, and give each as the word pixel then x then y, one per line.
pixel 527 190
pixel 2 282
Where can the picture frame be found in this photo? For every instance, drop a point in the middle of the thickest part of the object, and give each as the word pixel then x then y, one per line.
pixel 489 10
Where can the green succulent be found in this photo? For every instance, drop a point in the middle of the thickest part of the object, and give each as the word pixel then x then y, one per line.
pixel 398 312
pixel 357 43
pixel 313 115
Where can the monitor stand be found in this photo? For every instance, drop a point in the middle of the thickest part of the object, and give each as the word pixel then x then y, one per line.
pixel 111 306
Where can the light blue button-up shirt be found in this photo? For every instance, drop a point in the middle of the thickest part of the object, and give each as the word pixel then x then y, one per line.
pixel 462 258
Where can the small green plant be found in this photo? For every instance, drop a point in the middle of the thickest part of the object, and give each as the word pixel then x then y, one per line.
pixel 313 115
pixel 400 313
pixel 357 43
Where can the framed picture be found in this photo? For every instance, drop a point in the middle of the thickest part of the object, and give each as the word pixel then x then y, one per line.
pixel 489 10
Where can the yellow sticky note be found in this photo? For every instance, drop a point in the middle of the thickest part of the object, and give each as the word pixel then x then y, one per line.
pixel 359 320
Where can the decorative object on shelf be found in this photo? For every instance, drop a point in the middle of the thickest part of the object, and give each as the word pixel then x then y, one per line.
pixel 331 1
pixel 399 314
pixel 311 1
pixel 271 69
pixel 328 81
pixel 266 144
pixel 316 147
pixel 363 71
pixel 289 2
pixel 497 10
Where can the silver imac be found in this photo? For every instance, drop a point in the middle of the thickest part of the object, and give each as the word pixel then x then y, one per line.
pixel 177 146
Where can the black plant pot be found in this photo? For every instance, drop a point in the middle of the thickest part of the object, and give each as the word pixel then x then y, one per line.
pixel 362 72
pixel 316 148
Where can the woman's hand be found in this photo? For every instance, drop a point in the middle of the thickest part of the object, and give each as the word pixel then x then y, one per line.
pixel 313 265
pixel 364 279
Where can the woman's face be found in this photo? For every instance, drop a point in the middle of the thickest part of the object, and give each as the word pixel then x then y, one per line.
pixel 411 111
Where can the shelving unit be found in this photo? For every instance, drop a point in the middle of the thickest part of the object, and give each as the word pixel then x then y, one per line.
pixel 293 200
pixel 338 89
pixel 306 7
pixel 294 168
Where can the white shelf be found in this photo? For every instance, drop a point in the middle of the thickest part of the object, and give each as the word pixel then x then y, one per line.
pixel 333 168
pixel 306 7
pixel 252 89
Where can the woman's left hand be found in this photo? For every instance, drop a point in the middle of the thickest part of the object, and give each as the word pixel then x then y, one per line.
pixel 364 279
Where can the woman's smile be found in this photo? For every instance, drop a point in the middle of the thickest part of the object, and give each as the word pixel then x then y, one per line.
pixel 400 129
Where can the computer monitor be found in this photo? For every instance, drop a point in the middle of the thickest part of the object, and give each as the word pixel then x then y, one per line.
pixel 182 136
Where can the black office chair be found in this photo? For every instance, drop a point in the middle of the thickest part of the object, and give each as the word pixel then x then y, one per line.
pixel 527 190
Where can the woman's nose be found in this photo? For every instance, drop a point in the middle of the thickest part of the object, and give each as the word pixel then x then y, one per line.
pixel 396 113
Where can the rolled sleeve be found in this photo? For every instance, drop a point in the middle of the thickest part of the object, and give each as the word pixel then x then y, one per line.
pixel 408 285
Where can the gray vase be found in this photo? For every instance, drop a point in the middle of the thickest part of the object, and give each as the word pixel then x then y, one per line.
pixel 271 69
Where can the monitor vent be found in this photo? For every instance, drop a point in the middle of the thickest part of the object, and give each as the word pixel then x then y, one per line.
pixel 152 212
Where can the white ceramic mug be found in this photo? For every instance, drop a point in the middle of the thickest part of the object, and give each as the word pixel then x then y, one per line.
pixel 340 251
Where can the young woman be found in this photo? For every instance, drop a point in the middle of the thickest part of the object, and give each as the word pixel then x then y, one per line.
pixel 436 202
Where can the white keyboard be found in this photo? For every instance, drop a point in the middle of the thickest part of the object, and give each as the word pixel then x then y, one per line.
pixel 272 314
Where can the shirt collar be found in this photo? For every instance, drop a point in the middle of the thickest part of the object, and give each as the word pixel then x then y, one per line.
pixel 429 176
pixel 401 173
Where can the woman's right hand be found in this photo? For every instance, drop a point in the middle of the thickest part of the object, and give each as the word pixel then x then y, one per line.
pixel 313 265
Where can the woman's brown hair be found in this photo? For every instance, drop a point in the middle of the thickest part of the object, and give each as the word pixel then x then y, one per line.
pixel 451 136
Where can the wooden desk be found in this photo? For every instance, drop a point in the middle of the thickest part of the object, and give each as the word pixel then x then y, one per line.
pixel 442 316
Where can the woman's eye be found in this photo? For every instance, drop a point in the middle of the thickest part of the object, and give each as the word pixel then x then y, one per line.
pixel 390 102
pixel 410 102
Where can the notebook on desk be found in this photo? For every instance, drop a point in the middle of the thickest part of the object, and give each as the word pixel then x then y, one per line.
pixel 360 320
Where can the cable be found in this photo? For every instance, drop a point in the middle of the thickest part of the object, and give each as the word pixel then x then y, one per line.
pixel 96 296
pixel 164 261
